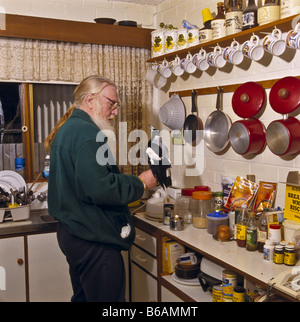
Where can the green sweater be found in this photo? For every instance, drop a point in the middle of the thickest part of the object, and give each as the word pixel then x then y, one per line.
pixel 90 200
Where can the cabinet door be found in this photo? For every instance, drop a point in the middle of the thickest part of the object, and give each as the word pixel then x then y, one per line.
pixel 49 279
pixel 144 286
pixel 12 270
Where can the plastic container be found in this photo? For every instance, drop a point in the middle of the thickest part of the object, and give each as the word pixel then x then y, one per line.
pixel 155 206
pixel 183 205
pixel 291 230
pixel 216 219
pixel 269 251
pixel 201 206
pixel 274 233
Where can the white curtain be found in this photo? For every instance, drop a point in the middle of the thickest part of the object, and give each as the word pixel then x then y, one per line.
pixel 28 60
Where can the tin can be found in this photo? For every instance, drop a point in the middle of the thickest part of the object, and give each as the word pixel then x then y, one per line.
pixel 239 294
pixel 217 293
pixel 229 280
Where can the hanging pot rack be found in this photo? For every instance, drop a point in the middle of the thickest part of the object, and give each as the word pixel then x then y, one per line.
pixel 226 88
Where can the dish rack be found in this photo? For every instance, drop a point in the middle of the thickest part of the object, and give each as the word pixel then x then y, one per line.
pixel 14 213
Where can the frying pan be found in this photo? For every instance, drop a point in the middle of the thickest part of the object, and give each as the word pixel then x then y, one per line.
pixel 217 127
pixel 192 123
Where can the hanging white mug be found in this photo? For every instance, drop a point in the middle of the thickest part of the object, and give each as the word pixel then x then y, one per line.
pixel 233 54
pixel 200 60
pixel 292 38
pixel 187 64
pixel 215 58
pixel 274 44
pixel 252 48
pixel 175 67
pixel 164 69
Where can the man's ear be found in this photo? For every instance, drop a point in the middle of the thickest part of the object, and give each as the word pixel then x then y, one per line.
pixel 88 101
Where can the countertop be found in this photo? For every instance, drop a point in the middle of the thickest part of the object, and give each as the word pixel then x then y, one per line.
pixel 227 254
pixel 39 222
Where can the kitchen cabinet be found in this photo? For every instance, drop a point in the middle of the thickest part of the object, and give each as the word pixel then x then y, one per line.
pixel 12 259
pixel 48 270
pixel 143 262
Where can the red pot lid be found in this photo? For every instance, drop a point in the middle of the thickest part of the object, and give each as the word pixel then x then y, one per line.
pixel 285 95
pixel 248 99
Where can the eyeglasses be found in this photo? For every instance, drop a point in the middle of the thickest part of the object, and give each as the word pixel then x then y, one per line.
pixel 113 104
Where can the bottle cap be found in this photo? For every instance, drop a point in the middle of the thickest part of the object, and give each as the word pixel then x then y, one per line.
pixel 206 14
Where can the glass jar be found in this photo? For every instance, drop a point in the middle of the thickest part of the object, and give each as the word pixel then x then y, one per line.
pixel 183 205
pixel 201 206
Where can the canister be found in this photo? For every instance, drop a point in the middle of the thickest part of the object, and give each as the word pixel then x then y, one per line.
pixel 217 293
pixel 289 8
pixel 183 205
pixel 182 36
pixel 170 39
pixel 239 294
pixel 157 43
pixel 176 223
pixel 229 280
pixel 216 219
pixel 193 37
pixel 201 206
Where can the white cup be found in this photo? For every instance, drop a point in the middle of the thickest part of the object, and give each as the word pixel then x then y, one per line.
pixel 187 64
pixel 153 77
pixel 200 60
pixel 215 58
pixel 175 67
pixel 233 54
pixel 292 38
pixel 164 69
pixel 188 259
pixel 274 44
pixel 252 48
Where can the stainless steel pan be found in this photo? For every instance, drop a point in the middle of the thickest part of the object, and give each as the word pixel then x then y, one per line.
pixel 217 127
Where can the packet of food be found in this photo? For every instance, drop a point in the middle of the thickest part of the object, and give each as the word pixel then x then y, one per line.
pixel 242 192
pixel 226 183
pixel 265 196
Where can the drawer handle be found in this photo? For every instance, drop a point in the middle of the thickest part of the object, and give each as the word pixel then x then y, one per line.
pixel 140 238
pixel 141 259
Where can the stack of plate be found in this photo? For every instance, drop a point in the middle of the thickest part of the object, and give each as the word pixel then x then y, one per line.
pixel 11 180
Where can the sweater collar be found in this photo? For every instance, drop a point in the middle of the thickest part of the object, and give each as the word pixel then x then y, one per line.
pixel 81 114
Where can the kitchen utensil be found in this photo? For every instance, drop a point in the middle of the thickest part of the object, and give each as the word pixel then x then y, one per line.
pixel 252 48
pixel 177 223
pixel 274 44
pixel 192 124
pixel 172 113
pixel 248 99
pixel 15 180
pixel 283 136
pixel 164 69
pixel 217 127
pixel 106 21
pixel 187 64
pixel 233 54
pixel 215 58
pixel 292 38
pixel 248 136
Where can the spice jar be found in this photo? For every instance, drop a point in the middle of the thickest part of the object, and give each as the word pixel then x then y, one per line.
pixel 289 255
pixel 183 205
pixel 278 254
pixel 201 206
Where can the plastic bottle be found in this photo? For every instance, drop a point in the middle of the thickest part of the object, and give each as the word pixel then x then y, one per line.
pixel 262 231
pixel 183 205
pixel 251 235
pixel 269 251
pixel 218 24
pixel 46 170
pixel 241 226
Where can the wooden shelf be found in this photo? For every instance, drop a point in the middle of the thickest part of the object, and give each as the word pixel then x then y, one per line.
pixel 225 88
pixel 282 24
pixel 18 26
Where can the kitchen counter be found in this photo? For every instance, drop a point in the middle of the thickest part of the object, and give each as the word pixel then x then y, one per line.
pixel 39 222
pixel 227 254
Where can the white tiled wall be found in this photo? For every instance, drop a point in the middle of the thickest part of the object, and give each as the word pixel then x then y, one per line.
pixel 266 166
pixel 81 10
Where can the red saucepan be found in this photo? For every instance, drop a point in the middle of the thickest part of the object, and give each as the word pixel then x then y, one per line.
pixel 283 136
pixel 192 124
pixel 248 136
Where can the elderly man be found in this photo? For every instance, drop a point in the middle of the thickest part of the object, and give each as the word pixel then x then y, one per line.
pixel 90 200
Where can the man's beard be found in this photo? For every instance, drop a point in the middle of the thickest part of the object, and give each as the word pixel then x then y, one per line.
pixel 106 126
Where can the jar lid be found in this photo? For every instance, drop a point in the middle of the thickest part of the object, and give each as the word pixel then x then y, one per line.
pixel 217 214
pixel 275 226
pixel 202 195
pixel 202 188
pixel 187 191
pixel 289 247
pixel 279 247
